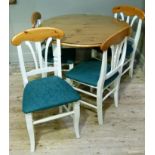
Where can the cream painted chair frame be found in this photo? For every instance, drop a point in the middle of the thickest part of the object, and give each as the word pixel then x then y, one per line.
pixel 37 35
pixel 130 15
pixel 36 21
pixel 118 44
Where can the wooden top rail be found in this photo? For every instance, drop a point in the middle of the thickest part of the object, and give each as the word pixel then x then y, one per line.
pixel 37 34
pixel 129 11
pixel 115 39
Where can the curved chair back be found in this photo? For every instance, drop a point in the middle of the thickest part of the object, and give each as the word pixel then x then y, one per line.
pixel 133 16
pixel 36 36
pixel 118 45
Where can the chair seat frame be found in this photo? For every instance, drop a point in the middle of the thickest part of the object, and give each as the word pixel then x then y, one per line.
pixel 36 36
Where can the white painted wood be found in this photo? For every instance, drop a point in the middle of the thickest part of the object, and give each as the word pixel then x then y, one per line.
pixel 57 58
pixel 117 61
pixel 76 118
pixel 108 94
pixel 88 104
pixel 39 71
pixel 33 53
pixel 30 129
pixel 43 69
pixel 48 42
pixel 47 119
pixel 122 16
pixel 71 66
pixel 22 65
pixel 132 20
pixel 85 92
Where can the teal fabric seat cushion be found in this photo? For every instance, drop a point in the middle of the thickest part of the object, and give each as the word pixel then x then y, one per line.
pixel 88 72
pixel 46 93
pixel 68 55
pixel 129 48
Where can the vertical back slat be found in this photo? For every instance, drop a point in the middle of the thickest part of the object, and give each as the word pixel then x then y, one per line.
pixel 122 16
pixel 33 53
pixel 128 19
pixel 103 72
pixel 46 50
pixel 133 20
pixel 118 57
pixel 22 65
pixel 39 52
pixel 115 15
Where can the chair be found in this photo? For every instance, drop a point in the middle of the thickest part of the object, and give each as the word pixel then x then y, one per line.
pixel 101 75
pixel 133 16
pixel 44 93
pixel 68 55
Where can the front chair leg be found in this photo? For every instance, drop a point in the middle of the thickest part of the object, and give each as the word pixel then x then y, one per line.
pixel 99 111
pixel 30 129
pixel 76 118
pixel 99 107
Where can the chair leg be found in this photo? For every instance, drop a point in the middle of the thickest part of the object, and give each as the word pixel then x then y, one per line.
pixel 30 129
pixel 131 69
pixel 60 109
pixel 76 118
pixel 93 53
pixel 91 89
pixel 71 66
pixel 116 97
pixel 99 110
pixel 131 65
pixel 116 92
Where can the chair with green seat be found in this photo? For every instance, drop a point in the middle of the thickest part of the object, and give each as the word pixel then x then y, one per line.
pixel 101 75
pixel 44 93
pixel 133 16
pixel 68 55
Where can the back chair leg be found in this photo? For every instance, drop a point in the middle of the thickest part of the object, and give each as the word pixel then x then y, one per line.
pixel 71 66
pixel 60 109
pixel 131 69
pixel 76 118
pixel 131 66
pixel 99 110
pixel 116 92
pixel 116 97
pixel 30 129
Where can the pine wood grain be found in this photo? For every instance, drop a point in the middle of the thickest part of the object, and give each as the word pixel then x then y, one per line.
pixel 85 31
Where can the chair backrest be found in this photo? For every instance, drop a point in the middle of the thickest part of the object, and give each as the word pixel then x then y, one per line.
pixel 113 63
pixel 133 16
pixel 33 38
pixel 36 19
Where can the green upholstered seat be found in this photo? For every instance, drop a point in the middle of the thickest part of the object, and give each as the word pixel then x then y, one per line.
pixel 68 55
pixel 88 72
pixel 46 93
